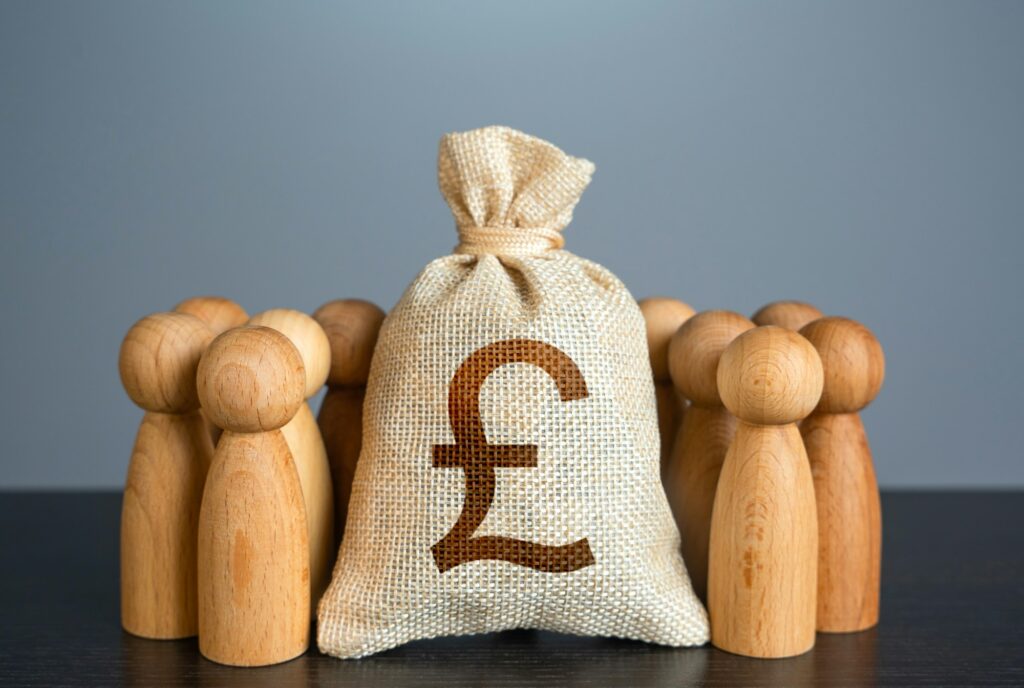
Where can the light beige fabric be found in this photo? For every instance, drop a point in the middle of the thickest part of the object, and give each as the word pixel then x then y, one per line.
pixel 605 554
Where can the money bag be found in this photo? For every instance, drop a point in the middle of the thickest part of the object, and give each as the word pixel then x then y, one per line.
pixel 509 474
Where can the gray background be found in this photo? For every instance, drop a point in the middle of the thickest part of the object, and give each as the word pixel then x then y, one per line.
pixel 865 156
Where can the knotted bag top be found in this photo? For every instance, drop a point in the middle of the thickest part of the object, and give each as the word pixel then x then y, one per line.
pixel 510 193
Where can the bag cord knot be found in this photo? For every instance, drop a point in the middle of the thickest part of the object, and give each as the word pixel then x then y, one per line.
pixel 510 241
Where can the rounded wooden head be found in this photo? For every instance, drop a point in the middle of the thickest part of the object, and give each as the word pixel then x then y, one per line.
pixel 853 362
pixel 219 313
pixel 251 379
pixel 158 361
pixel 307 336
pixel 791 315
pixel 352 326
pixel 662 316
pixel 770 376
pixel 694 352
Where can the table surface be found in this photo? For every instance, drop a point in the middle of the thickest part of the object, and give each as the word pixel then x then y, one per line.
pixel 952 614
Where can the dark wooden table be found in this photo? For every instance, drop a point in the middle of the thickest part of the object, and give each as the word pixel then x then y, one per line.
pixel 952 615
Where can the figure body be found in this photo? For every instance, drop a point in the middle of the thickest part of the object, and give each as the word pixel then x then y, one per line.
pixel 764 534
pixel 305 443
pixel 849 509
pixel 352 327
pixel 164 486
pixel 662 317
pixel 254 567
pixel 705 435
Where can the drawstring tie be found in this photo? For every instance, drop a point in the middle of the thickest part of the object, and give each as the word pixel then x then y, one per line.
pixel 511 241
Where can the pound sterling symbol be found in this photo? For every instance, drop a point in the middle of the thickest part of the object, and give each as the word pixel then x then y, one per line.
pixel 478 459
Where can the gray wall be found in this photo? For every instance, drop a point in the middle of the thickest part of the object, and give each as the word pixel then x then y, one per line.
pixel 865 156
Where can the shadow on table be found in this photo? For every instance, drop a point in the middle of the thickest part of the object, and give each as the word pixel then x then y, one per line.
pixel 513 658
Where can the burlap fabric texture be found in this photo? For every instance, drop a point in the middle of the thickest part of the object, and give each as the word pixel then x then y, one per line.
pixel 509 469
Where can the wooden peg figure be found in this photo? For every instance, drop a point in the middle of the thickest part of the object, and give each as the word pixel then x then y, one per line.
pixel 220 315
pixel 849 510
pixel 307 446
pixel 663 316
pixel 705 434
pixel 254 595
pixel 352 327
pixel 790 315
pixel 763 562
pixel 164 487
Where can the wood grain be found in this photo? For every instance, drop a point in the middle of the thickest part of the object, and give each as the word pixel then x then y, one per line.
pixel 163 488
pixel 159 523
pixel 704 435
pixel 662 317
pixel 849 522
pixel 220 314
pixel 703 442
pixel 762 586
pixel 254 551
pixel 849 511
pixel 352 327
pixel 769 375
pixel 305 442
pixel 789 315
pixel 310 458
pixel 341 423
pixel 763 560
pixel 254 603
pixel 307 336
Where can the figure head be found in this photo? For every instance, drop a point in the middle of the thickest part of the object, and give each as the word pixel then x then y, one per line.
pixel 770 376
pixel 219 313
pixel 307 336
pixel 791 315
pixel 251 379
pixel 352 326
pixel 158 361
pixel 662 316
pixel 695 350
pixel 852 360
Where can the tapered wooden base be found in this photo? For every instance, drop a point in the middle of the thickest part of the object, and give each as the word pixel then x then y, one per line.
pixel 671 409
pixel 254 600
pixel 307 448
pixel 762 584
pixel 849 522
pixel 341 422
pixel 700 449
pixel 159 522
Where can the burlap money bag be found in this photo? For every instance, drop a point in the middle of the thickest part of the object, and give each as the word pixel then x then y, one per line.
pixel 509 469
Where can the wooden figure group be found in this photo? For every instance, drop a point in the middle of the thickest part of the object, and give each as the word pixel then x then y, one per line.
pixel 780 523
pixel 236 497
pixel 236 545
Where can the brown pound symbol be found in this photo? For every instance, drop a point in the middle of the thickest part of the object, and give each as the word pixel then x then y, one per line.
pixel 478 459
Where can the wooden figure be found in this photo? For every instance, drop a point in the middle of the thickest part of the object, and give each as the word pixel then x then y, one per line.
pixel 171 457
pixel 791 315
pixel 352 327
pixel 254 595
pixel 220 315
pixel 705 434
pixel 304 440
pixel 763 562
pixel 849 510
pixel 663 316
